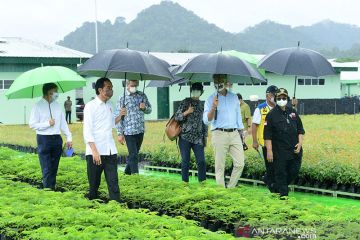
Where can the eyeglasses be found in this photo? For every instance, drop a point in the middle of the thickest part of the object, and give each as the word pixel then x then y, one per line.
pixel 283 98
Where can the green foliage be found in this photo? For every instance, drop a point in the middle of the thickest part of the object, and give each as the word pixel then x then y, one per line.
pixel 29 213
pixel 214 204
pixel 170 27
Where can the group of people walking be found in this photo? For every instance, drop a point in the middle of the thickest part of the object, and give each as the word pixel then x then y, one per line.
pixel 275 127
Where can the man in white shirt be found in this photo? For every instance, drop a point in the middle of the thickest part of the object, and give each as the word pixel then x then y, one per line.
pixel 101 152
pixel 48 119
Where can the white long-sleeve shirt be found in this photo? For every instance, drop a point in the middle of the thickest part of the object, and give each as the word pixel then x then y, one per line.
pixel 98 125
pixel 40 116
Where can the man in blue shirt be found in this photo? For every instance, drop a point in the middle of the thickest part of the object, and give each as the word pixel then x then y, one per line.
pixel 222 110
pixel 131 129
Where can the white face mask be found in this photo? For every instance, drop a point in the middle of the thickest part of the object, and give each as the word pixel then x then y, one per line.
pixel 281 103
pixel 54 96
pixel 272 100
pixel 195 93
pixel 220 87
pixel 132 89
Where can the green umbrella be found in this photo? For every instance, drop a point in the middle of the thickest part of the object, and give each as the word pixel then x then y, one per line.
pixel 30 83
pixel 246 57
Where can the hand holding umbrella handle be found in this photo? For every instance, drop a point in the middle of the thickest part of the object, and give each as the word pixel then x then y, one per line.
pixel 123 112
pixel 216 110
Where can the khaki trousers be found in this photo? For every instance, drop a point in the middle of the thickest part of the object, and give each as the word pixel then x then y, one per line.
pixel 223 143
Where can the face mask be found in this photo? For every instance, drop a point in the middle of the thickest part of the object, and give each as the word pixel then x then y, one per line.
pixel 195 93
pixel 54 96
pixel 219 87
pixel 109 93
pixel 132 89
pixel 281 103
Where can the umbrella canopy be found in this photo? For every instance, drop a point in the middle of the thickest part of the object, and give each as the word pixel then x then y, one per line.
pixel 30 83
pixel 126 64
pixel 174 80
pixel 246 57
pixel 242 55
pixel 202 67
pixel 297 61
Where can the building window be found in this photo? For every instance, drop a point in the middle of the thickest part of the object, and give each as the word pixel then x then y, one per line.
pixel 5 84
pixel 206 83
pixel 254 84
pixel 93 85
pixel 312 82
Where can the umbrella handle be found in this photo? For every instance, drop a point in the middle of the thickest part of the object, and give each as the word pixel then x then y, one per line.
pixel 50 111
pixel 123 104
pixel 216 111
pixel 295 86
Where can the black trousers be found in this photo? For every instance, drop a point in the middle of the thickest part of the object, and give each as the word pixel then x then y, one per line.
pixel 49 150
pixel 109 166
pixel 269 177
pixel 68 116
pixel 286 168
pixel 133 143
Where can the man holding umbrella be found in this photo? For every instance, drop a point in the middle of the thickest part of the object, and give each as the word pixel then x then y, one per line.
pixel 131 129
pixel 222 110
pixel 48 119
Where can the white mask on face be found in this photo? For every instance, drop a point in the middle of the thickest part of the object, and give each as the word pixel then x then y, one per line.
pixel 219 87
pixel 272 99
pixel 54 96
pixel 195 93
pixel 132 89
pixel 281 103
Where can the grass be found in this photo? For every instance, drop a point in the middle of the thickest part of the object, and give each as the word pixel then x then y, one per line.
pixel 243 205
pixel 332 138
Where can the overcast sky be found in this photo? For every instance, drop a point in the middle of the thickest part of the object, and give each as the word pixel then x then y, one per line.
pixel 50 20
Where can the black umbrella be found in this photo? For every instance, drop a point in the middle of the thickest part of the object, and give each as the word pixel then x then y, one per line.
pixel 202 68
pixel 297 61
pixel 174 80
pixel 126 64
